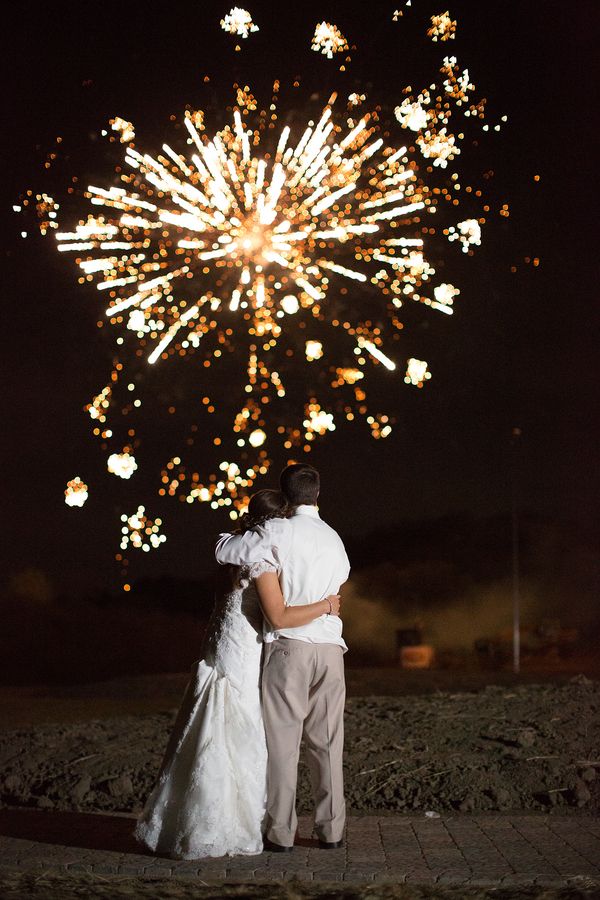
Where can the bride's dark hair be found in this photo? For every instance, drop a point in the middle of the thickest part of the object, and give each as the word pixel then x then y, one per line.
pixel 264 505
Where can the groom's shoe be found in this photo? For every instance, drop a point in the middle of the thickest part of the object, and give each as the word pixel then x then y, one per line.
pixel 271 847
pixel 330 845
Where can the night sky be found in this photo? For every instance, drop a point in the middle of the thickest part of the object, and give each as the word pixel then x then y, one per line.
pixel 519 350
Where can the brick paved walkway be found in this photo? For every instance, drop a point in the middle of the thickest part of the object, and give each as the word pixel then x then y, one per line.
pixel 460 849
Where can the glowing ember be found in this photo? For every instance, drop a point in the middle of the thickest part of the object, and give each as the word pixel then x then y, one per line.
pixel 444 295
pixel 76 492
pixel 328 39
pixel 356 99
pixel 238 21
pixel 411 115
pixel 140 532
pixel 46 211
pixel 440 147
pixel 457 85
pixel 467 232
pixel 136 321
pixel 398 12
pixel 125 129
pixel 347 376
pixel 257 438
pixel 314 350
pixel 318 421
pixel 122 464
pixel 416 372
pixel 443 28
pixel 98 408
pixel 289 304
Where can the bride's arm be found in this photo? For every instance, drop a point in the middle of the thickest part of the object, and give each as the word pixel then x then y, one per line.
pixel 268 542
pixel 281 616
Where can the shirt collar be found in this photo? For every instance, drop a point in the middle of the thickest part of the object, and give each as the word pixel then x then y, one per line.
pixel 305 510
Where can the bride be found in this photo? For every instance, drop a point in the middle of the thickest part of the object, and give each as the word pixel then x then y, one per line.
pixel 209 799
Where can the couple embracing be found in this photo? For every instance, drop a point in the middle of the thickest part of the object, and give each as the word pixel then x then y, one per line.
pixel 271 674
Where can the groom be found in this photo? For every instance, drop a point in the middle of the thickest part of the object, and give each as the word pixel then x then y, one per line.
pixel 303 686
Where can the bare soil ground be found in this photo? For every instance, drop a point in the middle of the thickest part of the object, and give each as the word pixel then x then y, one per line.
pixel 46 886
pixel 31 705
pixel 512 746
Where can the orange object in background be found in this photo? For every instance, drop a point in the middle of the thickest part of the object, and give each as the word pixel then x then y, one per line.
pixel 419 656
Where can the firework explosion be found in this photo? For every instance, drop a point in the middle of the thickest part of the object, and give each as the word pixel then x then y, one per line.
pixel 277 228
pixel 257 243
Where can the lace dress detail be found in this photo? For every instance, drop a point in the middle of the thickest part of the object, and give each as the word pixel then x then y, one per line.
pixel 209 799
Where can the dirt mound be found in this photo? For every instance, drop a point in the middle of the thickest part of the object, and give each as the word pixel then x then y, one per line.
pixel 518 748
pixel 529 747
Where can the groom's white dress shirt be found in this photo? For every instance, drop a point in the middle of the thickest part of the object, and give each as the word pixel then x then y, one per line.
pixel 311 561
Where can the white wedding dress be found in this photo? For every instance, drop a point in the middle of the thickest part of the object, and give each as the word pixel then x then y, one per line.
pixel 209 799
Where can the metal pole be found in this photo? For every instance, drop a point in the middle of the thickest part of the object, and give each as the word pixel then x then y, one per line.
pixel 516 598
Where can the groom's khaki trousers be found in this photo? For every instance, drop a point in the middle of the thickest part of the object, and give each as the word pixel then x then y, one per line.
pixel 303 693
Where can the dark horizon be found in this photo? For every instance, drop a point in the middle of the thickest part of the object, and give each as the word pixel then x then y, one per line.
pixel 519 350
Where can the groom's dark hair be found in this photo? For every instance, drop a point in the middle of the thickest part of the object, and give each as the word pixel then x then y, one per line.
pixel 300 483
